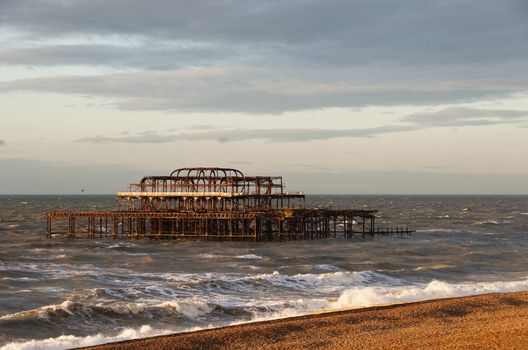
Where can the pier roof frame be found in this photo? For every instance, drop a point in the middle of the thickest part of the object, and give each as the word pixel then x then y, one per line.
pixel 212 179
pixel 209 172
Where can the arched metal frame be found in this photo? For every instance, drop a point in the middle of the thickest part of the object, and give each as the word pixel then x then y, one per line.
pixel 211 189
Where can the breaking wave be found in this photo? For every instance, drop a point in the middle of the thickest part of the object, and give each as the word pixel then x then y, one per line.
pixel 355 297
pixel 369 296
pixel 70 341
pixel 61 294
pixel 439 230
pixel 492 222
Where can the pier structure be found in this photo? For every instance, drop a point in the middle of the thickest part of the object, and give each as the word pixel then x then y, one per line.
pixel 216 204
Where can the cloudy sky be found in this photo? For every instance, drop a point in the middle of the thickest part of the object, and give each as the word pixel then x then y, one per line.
pixel 339 96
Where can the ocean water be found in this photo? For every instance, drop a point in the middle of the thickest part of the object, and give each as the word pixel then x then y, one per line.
pixel 58 293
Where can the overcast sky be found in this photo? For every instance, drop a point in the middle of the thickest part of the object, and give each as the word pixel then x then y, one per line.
pixel 350 96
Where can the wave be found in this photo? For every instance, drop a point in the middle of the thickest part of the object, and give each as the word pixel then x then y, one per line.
pixel 328 267
pixel 322 280
pixel 447 230
pixel 281 307
pixel 75 308
pixel 249 256
pixel 210 256
pixel 435 230
pixel 220 256
pixel 492 222
pixel 342 289
pixel 190 308
pixel 432 267
pixel 23 279
pixel 71 341
pixel 369 296
pixel 209 293
pixel 93 312
pixel 236 282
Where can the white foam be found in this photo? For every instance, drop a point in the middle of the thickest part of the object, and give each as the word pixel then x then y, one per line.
pixel 209 256
pixel 190 308
pixel 76 308
pixel 434 230
pixel 322 280
pixel 120 245
pixel 292 308
pixel 328 267
pixel 356 294
pixel 244 256
pixel 492 222
pixel 123 308
pixel 368 296
pixel 70 341
pixel 432 267
pixel 42 312
pixel 249 256
pixel 329 281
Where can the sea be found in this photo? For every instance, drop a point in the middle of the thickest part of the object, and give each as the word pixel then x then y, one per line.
pixel 59 293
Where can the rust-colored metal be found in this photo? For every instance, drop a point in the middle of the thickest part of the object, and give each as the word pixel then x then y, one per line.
pixel 213 203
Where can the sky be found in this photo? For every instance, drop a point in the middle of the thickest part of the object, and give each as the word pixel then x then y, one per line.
pixel 338 96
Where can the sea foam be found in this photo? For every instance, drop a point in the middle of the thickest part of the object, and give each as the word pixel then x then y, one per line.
pixel 70 341
pixel 369 296
pixel 354 297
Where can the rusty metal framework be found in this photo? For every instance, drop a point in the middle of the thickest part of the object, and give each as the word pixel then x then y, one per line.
pixel 210 189
pixel 213 203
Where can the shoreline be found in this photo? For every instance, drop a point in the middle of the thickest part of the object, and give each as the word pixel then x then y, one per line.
pixel 497 320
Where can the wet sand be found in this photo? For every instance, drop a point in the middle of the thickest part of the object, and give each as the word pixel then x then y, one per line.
pixel 492 321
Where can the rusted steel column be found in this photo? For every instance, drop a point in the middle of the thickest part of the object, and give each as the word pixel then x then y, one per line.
pixel 71 228
pixel 48 226
pixel 364 231
pixel 115 227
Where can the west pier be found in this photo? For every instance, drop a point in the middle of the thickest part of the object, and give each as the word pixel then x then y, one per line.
pixel 215 204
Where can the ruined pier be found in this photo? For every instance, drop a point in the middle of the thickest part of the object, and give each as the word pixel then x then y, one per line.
pixel 216 204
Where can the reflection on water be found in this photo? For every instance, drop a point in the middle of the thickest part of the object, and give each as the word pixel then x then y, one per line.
pixel 62 293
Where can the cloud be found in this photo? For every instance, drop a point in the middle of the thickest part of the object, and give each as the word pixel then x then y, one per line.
pixel 457 116
pixel 257 92
pixel 271 135
pixel 201 127
pixel 130 56
pixel 449 117
pixel 266 56
pixel 380 29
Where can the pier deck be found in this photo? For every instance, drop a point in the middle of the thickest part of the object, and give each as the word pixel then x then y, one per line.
pixel 213 203
pixel 288 224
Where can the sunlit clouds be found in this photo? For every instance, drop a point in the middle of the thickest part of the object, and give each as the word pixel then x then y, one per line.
pixel 298 87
